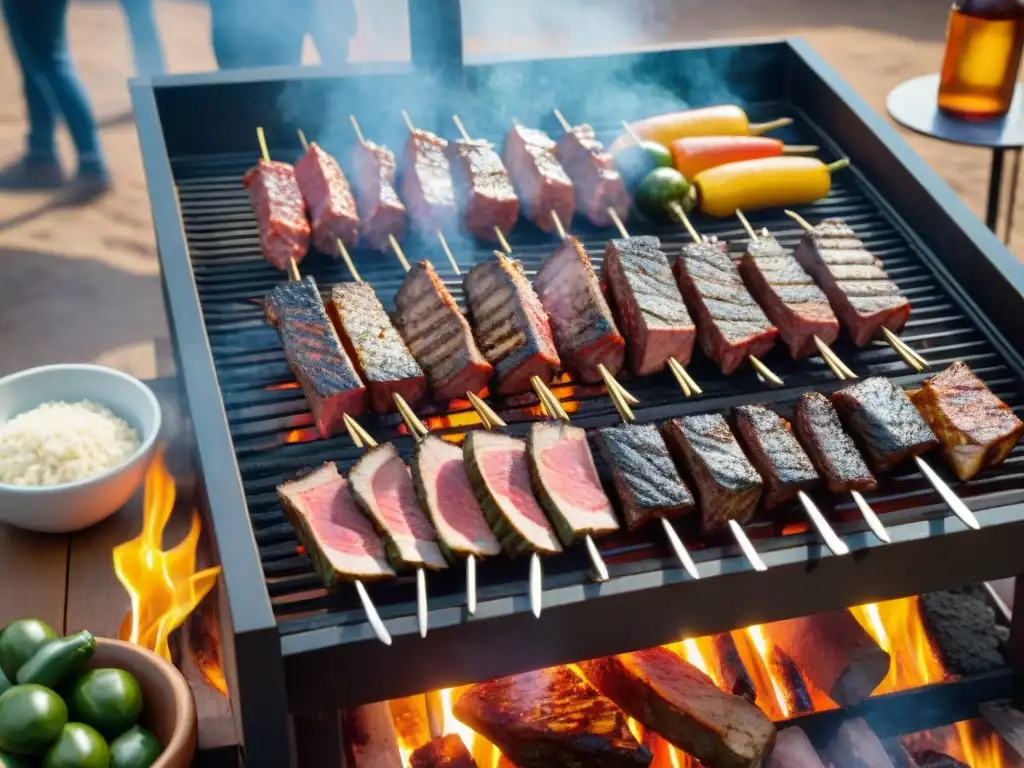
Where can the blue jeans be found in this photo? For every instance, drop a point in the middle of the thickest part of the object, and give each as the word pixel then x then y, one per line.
pixel 38 34
pixel 147 50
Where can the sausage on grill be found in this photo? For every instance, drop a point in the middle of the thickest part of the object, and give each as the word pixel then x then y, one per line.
pixel 280 212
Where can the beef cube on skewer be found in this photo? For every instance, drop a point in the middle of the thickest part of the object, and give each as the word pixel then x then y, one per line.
pixel 280 212
pixel 315 354
pixel 384 362
pixel 776 454
pixel 649 307
pixel 730 325
pixel 584 330
pixel 599 186
pixel 539 178
pixel 332 208
pixel 427 182
pixel 439 335
pixel 976 428
pixel 510 324
pixel 482 188
pixel 381 213
pixel 727 485
pixel 831 449
pixel 853 279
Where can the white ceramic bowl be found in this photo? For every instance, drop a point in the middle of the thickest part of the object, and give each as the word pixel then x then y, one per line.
pixel 74 506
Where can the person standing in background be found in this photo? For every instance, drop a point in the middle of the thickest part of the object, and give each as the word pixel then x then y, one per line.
pixel 147 50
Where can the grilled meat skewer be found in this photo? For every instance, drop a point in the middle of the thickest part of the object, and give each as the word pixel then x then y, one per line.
pixel 598 184
pixel 483 188
pixel 280 212
pixel 538 177
pixel 328 196
pixel 427 187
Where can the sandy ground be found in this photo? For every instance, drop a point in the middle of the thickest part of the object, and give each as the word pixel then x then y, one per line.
pixel 82 284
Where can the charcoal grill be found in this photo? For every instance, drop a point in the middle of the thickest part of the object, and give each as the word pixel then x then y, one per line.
pixel 294 649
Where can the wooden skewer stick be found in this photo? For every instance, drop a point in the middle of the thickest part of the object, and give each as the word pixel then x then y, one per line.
pixel 757 129
pixel 501 240
pixel 558 225
pixel 562 121
pixel 448 252
pixel 766 373
pixel 490 419
pixel 358 130
pixel 461 128
pixel 399 253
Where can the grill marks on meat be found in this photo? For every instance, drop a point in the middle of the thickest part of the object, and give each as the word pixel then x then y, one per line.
pixel 382 486
pixel 859 289
pixel 315 354
pixel 539 177
pixel 649 307
pixel 884 422
pixel 788 296
pixel 427 182
pixel 438 335
pixel 727 485
pixel 338 538
pixel 280 212
pixel 581 321
pixel 775 452
pixel 551 717
pixel 592 170
pixel 976 428
pixel 511 326
pixel 831 449
pixel 332 209
pixel 730 324
pixel 445 493
pixel 646 481
pixel 482 188
pixel 565 480
pixel 380 355
pixel 381 212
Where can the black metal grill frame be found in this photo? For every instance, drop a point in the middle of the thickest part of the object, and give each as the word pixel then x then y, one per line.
pixel 199 121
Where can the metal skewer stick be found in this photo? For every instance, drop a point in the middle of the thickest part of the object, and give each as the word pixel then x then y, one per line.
pixel 364 597
pixel 765 372
pixel 953 501
pixel 909 356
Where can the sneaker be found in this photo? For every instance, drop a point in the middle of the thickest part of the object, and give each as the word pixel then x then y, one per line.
pixel 29 174
pixel 90 184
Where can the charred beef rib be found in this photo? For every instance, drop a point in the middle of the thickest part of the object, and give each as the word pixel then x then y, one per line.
pixel 328 196
pixel 280 212
pixel 776 454
pixel 831 449
pixel 539 177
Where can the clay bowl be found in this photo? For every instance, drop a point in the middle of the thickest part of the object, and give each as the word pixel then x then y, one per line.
pixel 169 709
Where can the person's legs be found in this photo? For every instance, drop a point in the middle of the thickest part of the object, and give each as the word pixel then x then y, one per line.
pixel 147 49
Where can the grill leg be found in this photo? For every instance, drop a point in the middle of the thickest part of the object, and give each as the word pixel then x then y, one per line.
pixel 1014 180
pixel 995 186
pixel 1016 644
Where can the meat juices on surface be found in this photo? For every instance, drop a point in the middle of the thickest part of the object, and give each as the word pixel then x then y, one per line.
pixel 857 286
pixel 439 336
pixel 427 183
pixel 584 331
pixel 646 481
pixel 280 212
pixel 339 539
pixel 539 178
pixel 483 189
pixel 788 296
pixel 650 309
pixel 332 208
pixel 510 324
pixel 599 186
pixel 884 422
pixel 314 353
pixel 832 450
pixel 976 428
pixel 381 212
pixel 776 454
pixel 730 324
pixel 726 484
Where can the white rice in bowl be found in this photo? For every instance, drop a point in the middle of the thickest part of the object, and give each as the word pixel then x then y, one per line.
pixel 59 442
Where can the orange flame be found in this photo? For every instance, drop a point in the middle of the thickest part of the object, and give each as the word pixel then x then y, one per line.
pixel 279 387
pixel 163 587
pixel 915 661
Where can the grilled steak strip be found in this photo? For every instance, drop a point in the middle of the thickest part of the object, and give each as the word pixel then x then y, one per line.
pixel 338 538
pixel 775 453
pixel 315 354
pixel 551 717
pixel 646 481
pixel 280 212
pixel 832 450
pixel 730 324
pixel 380 355
pixel 439 336
pixel 582 324
pixel 788 296
pixel 539 178
pixel 884 422
pixel 382 486
pixel 332 208
pixel 648 305
pixel 510 324
pixel 679 702
pixel 853 279
pixel 427 182
pixel 592 170
pixel 381 213
pixel 726 483
pixel 482 188
pixel 976 428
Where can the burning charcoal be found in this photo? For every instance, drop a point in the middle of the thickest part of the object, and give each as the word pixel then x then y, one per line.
pixel 446 752
pixel 963 630
pixel 793 750
pixel 730 668
pixel 369 737
pixel 855 745
pixel 932 759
